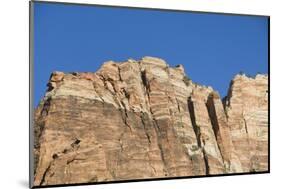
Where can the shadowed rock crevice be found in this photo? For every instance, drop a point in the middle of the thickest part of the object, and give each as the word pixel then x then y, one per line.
pixel 206 162
pixel 44 174
pixel 143 118
pixel 192 117
pixel 198 134
pixel 124 116
pixel 214 121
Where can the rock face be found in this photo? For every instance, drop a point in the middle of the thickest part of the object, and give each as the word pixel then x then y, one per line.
pixel 143 119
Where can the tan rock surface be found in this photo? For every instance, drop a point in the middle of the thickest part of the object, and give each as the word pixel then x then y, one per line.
pixel 144 119
pixel 247 112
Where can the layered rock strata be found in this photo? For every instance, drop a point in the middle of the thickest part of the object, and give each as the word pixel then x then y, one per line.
pixel 143 119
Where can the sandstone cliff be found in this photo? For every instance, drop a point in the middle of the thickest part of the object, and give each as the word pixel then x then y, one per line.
pixel 144 119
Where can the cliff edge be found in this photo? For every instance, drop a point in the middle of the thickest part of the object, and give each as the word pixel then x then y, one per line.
pixel 143 119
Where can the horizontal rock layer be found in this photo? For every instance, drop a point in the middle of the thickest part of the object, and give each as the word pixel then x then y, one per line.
pixel 143 119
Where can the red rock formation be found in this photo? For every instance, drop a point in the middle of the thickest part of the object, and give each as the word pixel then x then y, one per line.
pixel 247 112
pixel 143 119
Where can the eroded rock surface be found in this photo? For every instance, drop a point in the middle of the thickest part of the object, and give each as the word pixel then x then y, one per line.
pixel 144 119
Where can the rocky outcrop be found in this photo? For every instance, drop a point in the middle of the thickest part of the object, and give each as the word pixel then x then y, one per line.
pixel 143 119
pixel 246 107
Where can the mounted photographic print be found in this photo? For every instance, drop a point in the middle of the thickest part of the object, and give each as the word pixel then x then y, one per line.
pixel 120 94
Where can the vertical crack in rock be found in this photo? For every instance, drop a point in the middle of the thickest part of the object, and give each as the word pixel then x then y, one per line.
pixel 144 127
pixel 45 173
pixel 119 74
pixel 215 124
pixel 192 117
pixel 124 116
pixel 245 124
pixel 248 141
pixel 120 142
pixel 212 114
pixel 198 133
pixel 178 105
pixel 206 160
pixel 143 78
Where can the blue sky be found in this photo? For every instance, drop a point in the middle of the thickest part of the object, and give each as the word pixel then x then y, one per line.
pixel 212 47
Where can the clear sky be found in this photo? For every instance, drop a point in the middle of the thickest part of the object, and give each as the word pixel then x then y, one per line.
pixel 213 48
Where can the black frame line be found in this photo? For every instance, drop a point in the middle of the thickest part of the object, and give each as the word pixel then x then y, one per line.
pixel 151 179
pixel 31 87
pixel 145 8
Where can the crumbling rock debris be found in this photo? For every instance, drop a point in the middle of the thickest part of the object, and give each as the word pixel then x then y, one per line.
pixel 143 119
